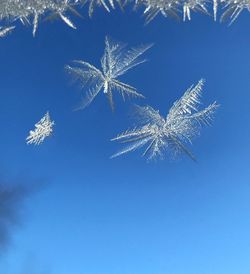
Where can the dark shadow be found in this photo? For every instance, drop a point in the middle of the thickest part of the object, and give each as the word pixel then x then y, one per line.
pixel 12 198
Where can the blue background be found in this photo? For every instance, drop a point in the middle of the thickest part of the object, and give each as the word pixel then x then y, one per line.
pixel 127 216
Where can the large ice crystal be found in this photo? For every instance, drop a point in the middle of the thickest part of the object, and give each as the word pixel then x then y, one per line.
pixel 160 134
pixel 116 61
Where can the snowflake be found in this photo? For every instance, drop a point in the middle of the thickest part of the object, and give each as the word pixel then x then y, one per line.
pixel 43 129
pixel 160 134
pixel 116 61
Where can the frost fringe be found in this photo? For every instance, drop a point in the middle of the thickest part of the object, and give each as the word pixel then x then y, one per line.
pixel 31 12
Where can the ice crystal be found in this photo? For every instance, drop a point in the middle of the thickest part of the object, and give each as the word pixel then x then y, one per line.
pixel 116 61
pixel 43 129
pixel 5 31
pixel 169 134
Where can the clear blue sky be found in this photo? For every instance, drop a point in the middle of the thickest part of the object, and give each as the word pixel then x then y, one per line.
pixel 127 216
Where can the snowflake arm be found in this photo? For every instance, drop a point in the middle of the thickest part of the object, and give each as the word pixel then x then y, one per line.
pixel 4 31
pixel 97 3
pixel 179 147
pixel 117 59
pixel 168 8
pixel 88 77
pixel 148 115
pixel 150 13
pixel 60 11
pixel 67 21
pixel 233 9
pixel 132 147
pixel 204 117
pixel 215 9
pixel 106 4
pixel 112 54
pixel 194 5
pixel 130 59
pixel 137 138
pixel 188 102
pixel 28 11
pixel 124 89
pixel 133 135
pixel 85 73
pixel 90 95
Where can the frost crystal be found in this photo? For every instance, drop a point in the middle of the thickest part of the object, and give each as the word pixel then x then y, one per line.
pixel 116 61
pixel 30 11
pixel 43 129
pixel 169 134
